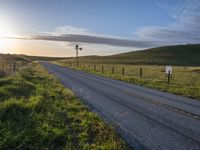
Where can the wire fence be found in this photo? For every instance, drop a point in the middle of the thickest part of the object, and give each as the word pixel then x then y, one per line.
pixel 186 76
pixel 9 68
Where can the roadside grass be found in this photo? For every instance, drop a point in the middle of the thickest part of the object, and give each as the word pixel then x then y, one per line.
pixel 185 81
pixel 9 64
pixel 37 112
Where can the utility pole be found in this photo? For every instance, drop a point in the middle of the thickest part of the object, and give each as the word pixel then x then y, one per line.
pixel 77 49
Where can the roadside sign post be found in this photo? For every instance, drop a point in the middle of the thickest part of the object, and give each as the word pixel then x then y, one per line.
pixel 168 76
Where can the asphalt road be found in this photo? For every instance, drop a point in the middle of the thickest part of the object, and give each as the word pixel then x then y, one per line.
pixel 145 118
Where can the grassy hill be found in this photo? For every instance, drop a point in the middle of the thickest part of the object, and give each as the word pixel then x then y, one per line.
pixel 44 58
pixel 182 55
pixel 15 57
pixel 11 58
pixel 179 55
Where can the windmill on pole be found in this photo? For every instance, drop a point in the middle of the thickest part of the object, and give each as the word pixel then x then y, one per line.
pixel 77 49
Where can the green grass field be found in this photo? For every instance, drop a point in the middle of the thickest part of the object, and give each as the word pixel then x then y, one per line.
pixel 185 59
pixel 185 80
pixel 37 112
pixel 179 55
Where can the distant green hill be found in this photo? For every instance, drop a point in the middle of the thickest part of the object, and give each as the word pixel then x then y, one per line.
pixel 45 58
pixel 12 57
pixel 20 57
pixel 184 55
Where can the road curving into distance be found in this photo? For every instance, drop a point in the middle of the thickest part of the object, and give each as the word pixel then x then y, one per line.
pixel 145 118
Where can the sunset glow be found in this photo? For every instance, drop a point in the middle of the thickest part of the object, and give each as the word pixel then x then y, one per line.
pixel 5 28
pixel 53 28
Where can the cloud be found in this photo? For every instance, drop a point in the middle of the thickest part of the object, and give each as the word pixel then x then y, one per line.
pixel 185 31
pixel 71 30
pixel 185 8
pixel 80 35
pixel 186 28
pixel 94 40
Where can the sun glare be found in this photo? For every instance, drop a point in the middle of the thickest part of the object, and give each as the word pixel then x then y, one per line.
pixel 5 29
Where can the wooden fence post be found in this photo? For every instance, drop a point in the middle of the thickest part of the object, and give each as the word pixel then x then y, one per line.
pixel 113 69
pixel 14 66
pixel 4 70
pixel 10 67
pixel 123 71
pixel 102 69
pixel 95 67
pixel 140 72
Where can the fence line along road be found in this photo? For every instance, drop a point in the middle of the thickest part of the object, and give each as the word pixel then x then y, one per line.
pixel 144 117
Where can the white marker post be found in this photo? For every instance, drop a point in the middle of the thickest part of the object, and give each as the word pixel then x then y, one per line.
pixel 168 72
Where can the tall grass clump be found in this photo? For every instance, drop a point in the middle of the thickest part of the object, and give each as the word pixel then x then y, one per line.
pixel 37 112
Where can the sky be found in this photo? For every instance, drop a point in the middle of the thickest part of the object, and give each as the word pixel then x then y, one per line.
pixel 100 27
